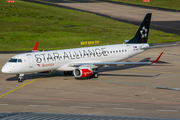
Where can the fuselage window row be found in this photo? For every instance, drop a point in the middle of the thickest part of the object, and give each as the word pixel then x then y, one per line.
pixel 115 51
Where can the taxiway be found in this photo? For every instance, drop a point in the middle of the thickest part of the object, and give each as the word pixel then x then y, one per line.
pixel 119 90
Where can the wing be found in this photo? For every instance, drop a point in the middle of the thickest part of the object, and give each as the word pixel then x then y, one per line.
pixel 114 63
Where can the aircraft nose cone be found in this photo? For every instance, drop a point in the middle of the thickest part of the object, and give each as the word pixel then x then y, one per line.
pixel 5 69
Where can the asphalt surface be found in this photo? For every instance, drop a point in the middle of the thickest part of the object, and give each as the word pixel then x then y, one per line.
pixel 164 19
pixel 119 90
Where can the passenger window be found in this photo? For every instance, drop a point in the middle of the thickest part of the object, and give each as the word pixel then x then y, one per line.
pixel 122 50
pixel 19 60
pixel 119 50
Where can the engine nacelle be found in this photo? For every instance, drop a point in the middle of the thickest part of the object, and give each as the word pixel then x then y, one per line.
pixel 82 72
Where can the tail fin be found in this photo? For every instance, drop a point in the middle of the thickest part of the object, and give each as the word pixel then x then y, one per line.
pixel 143 31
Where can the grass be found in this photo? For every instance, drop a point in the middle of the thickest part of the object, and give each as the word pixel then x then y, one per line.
pixel 170 4
pixel 23 23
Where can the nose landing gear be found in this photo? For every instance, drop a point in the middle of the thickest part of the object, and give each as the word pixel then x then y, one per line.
pixel 20 78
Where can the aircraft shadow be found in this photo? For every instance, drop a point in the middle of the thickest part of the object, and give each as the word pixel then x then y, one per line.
pixel 124 67
pixel 130 75
pixel 36 75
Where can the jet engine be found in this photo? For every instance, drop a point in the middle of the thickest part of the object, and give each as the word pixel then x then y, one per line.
pixel 82 72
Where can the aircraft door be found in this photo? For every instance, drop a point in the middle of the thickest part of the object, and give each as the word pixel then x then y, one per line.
pixel 129 50
pixel 30 60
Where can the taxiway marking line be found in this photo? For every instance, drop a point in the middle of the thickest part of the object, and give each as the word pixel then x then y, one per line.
pixel 80 107
pixel 25 85
pixel 4 104
pixel 167 110
pixel 47 102
pixel 123 108
pixel 39 105
pixel 109 104
pixel 172 54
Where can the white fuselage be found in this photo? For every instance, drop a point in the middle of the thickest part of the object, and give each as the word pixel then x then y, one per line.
pixel 61 59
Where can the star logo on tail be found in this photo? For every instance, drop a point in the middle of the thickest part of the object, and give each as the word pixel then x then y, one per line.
pixel 143 32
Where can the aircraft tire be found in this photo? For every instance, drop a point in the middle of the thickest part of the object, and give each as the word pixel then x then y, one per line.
pixel 65 73
pixel 20 80
pixel 69 72
pixel 95 75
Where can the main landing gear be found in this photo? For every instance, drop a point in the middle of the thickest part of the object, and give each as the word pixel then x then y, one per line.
pixel 20 78
pixel 94 75
pixel 68 72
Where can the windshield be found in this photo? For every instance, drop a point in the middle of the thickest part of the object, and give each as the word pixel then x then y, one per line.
pixel 15 60
pixel 12 60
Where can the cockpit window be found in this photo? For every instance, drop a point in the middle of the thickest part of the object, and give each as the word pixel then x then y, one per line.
pixel 12 60
pixel 15 60
pixel 19 60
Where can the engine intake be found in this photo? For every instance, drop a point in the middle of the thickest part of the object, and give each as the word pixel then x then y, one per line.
pixel 82 72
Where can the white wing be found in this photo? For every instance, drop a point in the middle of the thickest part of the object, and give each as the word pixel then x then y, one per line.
pixel 114 63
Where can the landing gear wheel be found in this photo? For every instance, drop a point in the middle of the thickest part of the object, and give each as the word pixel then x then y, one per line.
pixel 20 79
pixel 67 72
pixel 95 75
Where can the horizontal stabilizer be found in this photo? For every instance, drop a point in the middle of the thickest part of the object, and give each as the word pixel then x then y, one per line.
pixel 148 47
pixel 126 41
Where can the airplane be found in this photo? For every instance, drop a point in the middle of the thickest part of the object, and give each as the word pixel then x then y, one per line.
pixel 82 62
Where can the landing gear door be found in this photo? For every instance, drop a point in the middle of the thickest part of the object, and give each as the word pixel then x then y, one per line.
pixel 30 60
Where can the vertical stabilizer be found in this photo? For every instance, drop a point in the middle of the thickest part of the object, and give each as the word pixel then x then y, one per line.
pixel 143 31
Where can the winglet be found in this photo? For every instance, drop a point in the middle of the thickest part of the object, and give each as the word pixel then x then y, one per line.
pixel 36 47
pixel 157 58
